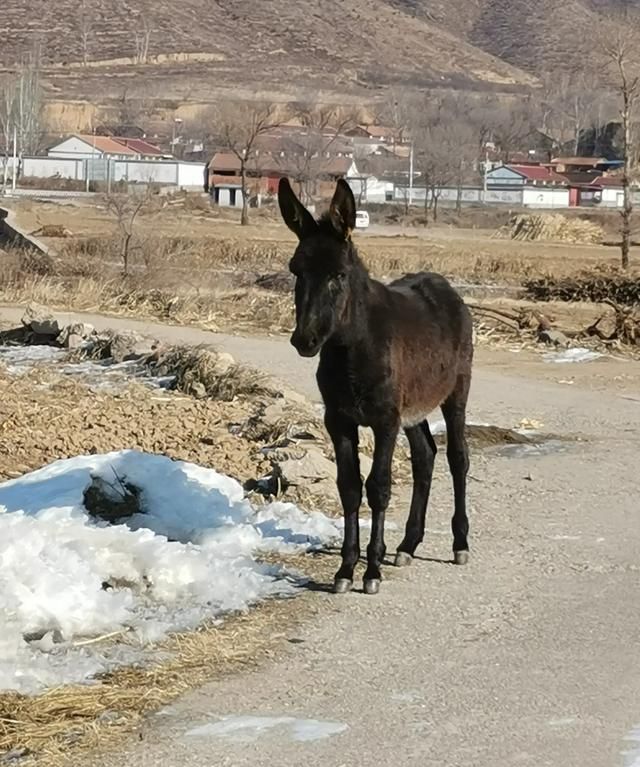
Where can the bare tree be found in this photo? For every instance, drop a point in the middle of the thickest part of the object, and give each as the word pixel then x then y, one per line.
pixel 622 61
pixel 239 128
pixel 309 152
pixel 84 22
pixel 568 104
pixel 21 109
pixel 142 37
pixel 514 123
pixel 125 210
pixel 445 146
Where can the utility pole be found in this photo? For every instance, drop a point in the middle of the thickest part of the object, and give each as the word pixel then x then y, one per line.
pixel 15 159
pixel 486 173
pixel 411 175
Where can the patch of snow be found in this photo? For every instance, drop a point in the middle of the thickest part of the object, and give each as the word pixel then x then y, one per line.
pixel 577 354
pixel 20 359
pixel 631 756
pixel 98 374
pixel 108 375
pixel 247 729
pixel 189 557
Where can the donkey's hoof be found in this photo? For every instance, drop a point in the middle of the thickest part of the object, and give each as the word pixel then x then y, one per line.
pixel 372 586
pixel 403 559
pixel 460 557
pixel 342 586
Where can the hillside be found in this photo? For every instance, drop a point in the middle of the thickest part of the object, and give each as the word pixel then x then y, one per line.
pixel 536 37
pixel 198 50
pixel 347 45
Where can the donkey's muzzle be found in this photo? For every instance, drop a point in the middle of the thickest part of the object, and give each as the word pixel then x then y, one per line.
pixel 305 345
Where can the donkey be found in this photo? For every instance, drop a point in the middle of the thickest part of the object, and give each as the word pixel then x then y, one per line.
pixel 389 355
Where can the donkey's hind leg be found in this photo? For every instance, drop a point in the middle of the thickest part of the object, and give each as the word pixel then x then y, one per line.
pixel 454 412
pixel 423 453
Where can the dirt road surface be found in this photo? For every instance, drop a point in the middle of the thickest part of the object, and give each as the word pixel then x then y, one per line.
pixel 529 656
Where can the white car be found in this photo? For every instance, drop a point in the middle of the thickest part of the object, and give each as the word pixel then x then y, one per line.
pixel 362 219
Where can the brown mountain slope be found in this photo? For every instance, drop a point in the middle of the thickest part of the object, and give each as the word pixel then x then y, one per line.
pixel 337 46
pixel 541 36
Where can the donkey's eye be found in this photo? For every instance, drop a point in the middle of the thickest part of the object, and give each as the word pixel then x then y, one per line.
pixel 337 282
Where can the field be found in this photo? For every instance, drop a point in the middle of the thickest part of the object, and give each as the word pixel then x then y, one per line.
pixel 191 263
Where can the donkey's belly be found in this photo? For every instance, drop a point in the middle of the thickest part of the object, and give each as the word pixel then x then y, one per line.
pixel 418 399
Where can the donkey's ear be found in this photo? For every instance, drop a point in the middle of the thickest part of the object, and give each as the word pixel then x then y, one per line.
pixel 342 210
pixel 295 215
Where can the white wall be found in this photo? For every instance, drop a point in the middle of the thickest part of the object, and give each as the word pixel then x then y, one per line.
pixel 224 198
pixel 541 197
pixel 190 174
pixel 371 189
pixel 142 172
pixel 48 167
pixel 612 197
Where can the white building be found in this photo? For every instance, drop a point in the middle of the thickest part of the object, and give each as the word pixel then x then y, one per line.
pixel 172 173
pixel 83 146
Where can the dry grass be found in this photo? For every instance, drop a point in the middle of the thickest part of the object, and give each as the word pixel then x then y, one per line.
pixel 192 265
pixel 202 371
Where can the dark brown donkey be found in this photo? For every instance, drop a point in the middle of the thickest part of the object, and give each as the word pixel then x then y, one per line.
pixel 389 355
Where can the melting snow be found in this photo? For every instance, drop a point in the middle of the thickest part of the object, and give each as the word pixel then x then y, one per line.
pixel 578 354
pixel 99 374
pixel 189 557
pixel 247 729
pixel 631 755
pixel 20 359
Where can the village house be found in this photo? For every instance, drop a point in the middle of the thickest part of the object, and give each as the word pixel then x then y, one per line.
pixel 111 159
pixel 82 146
pixel 314 161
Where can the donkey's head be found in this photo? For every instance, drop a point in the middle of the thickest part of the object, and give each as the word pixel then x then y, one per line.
pixel 322 264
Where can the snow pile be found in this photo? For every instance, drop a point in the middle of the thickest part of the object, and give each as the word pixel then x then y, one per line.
pixel 190 556
pixel 577 354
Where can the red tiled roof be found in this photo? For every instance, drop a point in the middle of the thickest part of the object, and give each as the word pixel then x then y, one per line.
pixel 538 173
pixel 607 181
pixel 105 144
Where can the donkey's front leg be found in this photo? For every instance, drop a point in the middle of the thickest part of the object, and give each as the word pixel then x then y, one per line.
pixel 378 494
pixel 344 435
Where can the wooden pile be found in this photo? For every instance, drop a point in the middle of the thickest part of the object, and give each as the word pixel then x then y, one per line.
pixel 623 326
pixel 596 286
pixel 551 226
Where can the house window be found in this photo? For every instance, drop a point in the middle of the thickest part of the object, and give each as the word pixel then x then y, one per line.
pixel 232 198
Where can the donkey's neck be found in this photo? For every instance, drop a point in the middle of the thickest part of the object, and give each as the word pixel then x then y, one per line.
pixel 354 329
